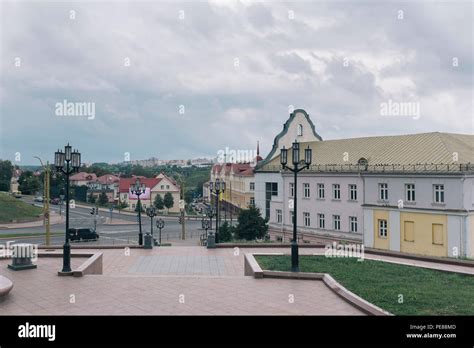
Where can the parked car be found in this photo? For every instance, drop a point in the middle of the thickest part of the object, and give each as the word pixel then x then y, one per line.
pixel 82 234
pixel 38 199
pixel 55 201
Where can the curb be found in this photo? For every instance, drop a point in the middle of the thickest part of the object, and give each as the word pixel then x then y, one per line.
pixel 266 245
pixel 252 268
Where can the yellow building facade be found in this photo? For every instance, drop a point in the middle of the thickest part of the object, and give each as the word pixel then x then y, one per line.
pixel 417 233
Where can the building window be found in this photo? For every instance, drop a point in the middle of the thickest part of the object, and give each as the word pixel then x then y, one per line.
pixel 321 191
pixel 162 187
pixel 336 191
pixel 279 216
pixel 252 201
pixel 353 192
pixel 307 219
pixel 409 231
pixel 383 228
pixel 410 192
pixel 353 223
pixel 271 189
pixel 383 192
pixel 306 191
pixel 167 187
pixel 438 193
pixel 336 219
pixel 252 186
pixel 300 130
pixel 437 230
pixel 292 189
pixel 321 221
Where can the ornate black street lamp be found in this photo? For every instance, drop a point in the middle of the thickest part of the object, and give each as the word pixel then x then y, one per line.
pixel 206 224
pixel 151 212
pixel 297 167
pixel 211 214
pixel 160 224
pixel 67 162
pixel 138 189
pixel 217 188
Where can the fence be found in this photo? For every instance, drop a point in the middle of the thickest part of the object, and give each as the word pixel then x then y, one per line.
pixel 383 168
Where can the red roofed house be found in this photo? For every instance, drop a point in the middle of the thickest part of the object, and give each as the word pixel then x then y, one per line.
pixel 107 183
pixel 153 187
pixel 82 178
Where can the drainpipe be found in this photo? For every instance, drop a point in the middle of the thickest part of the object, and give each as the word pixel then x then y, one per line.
pixel 363 203
pixel 462 240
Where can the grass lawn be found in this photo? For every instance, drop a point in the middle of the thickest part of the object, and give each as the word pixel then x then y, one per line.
pixel 424 291
pixel 14 209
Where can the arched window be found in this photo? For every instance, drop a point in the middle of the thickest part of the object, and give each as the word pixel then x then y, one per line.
pixel 300 130
pixel 362 161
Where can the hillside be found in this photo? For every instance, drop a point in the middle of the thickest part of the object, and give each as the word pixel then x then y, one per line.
pixel 15 209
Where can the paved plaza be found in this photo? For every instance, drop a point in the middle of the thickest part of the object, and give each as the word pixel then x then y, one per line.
pixel 181 280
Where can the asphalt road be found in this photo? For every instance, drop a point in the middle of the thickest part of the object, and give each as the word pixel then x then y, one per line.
pixel 108 234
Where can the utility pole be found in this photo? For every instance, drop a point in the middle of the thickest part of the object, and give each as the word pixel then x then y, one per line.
pixel 46 214
pixel 183 228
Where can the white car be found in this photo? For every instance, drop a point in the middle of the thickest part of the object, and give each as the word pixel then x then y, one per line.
pixel 38 199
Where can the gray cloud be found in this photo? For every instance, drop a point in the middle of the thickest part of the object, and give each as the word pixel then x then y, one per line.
pixel 191 62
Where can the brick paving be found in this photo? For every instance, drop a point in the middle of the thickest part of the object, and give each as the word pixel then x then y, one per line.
pixel 165 281
pixel 175 280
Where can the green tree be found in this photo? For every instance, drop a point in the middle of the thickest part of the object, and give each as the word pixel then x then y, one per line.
pixel 122 205
pixel 168 201
pixel 79 193
pixel 28 183
pixel 139 204
pixel 251 225
pixel 158 202
pixel 188 196
pixel 92 198
pixel 6 171
pixel 103 199
pixel 226 232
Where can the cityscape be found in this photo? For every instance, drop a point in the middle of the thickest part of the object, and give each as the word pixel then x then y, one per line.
pixel 223 163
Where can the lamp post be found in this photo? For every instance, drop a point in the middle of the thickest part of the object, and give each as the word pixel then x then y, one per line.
pixel 217 188
pixel 61 197
pixel 151 212
pixel 297 167
pixel 46 214
pixel 206 224
pixel 160 223
pixel 138 189
pixel 210 213
pixel 67 162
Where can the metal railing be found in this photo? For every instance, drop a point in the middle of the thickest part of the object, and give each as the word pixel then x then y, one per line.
pixel 383 168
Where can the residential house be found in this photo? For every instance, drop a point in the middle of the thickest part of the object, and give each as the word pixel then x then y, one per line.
pixel 82 179
pixel 159 185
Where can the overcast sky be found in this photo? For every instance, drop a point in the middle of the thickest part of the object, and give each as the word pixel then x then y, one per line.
pixel 183 80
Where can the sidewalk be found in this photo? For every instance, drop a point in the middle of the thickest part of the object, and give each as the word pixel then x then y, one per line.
pixel 165 281
pixel 55 219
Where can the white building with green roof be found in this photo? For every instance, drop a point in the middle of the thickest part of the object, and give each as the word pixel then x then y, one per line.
pixel 408 193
